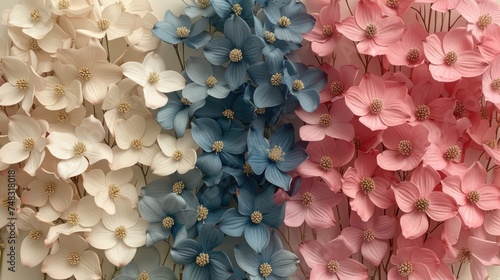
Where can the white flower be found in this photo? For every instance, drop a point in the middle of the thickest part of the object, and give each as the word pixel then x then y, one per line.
pixel 120 234
pixel 135 7
pixel 73 258
pixel 142 38
pixel 27 142
pixel 71 7
pixel 77 150
pixel 33 249
pixel 21 85
pixel 135 142
pixel 154 78
pixel 60 121
pixel 178 154
pixel 106 189
pixel 34 16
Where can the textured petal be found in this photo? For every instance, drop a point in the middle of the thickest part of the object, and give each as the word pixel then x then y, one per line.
pixel 257 236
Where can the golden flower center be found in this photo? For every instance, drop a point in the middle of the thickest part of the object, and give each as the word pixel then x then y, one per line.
pixel 177 155
pixel 168 222
pixel 34 45
pixel 460 110
pixel 186 102
pixel 376 106
pixel 203 3
pixel 491 143
pixel 136 143
pixel 59 90
pixel 284 21
pixel 35 234
pixel 464 255
pixel 237 9
pixel 247 169
pixel 182 32
pixel 35 15
pixel 276 154
pixel 143 276
pixel 49 189
pixel 260 111
pixel 113 191
pixel 235 55
pixel 298 85
pixel 80 148
pixel 422 112
pixel 325 119
pixel 367 185
pixel 451 57
pixel 413 55
pixel 202 259
pixel 29 143
pixel 405 147
pixel 74 259
pixel 422 204
pixel 327 30
pixel 178 187
pixel 452 153
pixel 211 81
pixel 276 79
pixel 326 163
pixel 84 73
pixel 22 84
pixel 270 37
pixel 153 78
pixel 307 199
pixel 265 270
pixel 73 218
pixel 120 232
pixel 63 4
pixel 202 212
pixel 392 3
pixel 333 266
pixel 62 116
pixel 484 20
pixel 103 24
pixel 473 197
pixel 256 217
pixel 124 107
pixel 336 88
pixel 217 146
pixel 405 269
pixel 228 113
pixel 495 84
pixel 368 235
pixel 371 31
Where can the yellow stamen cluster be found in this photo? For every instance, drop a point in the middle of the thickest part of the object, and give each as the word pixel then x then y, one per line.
pixel 371 31
pixel 247 169
pixel 368 235
pixel 327 30
pixel 405 147
pixel 405 269
pixel 495 84
pixel 326 163
pixel 276 79
pixel 63 4
pixel 22 84
pixel 62 116
pixel 136 143
pixel 484 20
pixel 333 266
pixel 307 199
pixel 473 197
pixel 336 88
pixel 120 232
pixel 168 222
pixel 84 73
pixel 29 143
pixel 59 90
pixel 80 148
pixel 202 212
pixel 153 78
pixel 124 107
pixel 217 146
pixel 73 259
pixel 203 3
pixel 422 204
pixel 35 234
pixel 451 57
pixel 49 189
pixel 376 106
pixel 178 187
pixel 34 45
pixel 143 276
pixel 182 32
pixel 202 259
pixel 392 3
pixel 464 255
pixel 413 55
pixel 103 24
pixel 228 113
pixel 284 21
pixel 235 55
pixel 265 270
pixel 256 217
pixel 177 155
pixel 276 154
pixel 325 119
pixel 113 191
pixel 452 153
pixel 367 185
pixel 73 218
pixel 422 112
pixel 298 85
pixel 270 37
pixel 211 81
pixel 237 9
pixel 35 15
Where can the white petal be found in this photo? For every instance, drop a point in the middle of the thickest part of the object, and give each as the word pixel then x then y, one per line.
pixel 13 152
pixel 89 267
pixel 34 161
pixel 119 177
pixel 136 236
pixel 163 165
pixel 188 161
pixel 90 130
pixel 94 181
pixel 120 255
pixel 67 168
pixel 170 81
pixel 153 98
pixel 61 199
pixel 20 16
pixel 61 145
pixel 123 158
pixel 10 95
pixel 99 151
pixel 154 63
pixel 14 69
pixel 88 212
pixel 101 238
pixel 146 154
pixel 33 252
pixel 105 202
pixel 57 265
pixel 122 27
pixel 128 130
pixel 35 196
pixel 168 144
pixel 135 71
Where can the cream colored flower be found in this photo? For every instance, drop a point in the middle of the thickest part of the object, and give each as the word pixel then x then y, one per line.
pixel 142 38
pixel 60 120
pixel 33 16
pixel 33 249
pixel 177 154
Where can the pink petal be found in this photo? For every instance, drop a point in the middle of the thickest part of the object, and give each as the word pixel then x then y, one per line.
pixel 444 73
pixel 391 160
pixel 470 64
pixel 385 228
pixel 472 216
pixel 414 224
pixel 320 216
pixel 442 206
pixel 474 177
pixel 351 269
pixel 363 206
pixel 433 49
pixel 426 178
pixel 354 237
pixel 343 131
pixel 395 113
pixel 492 222
pixel 489 197
pixel 349 28
pixel 390 30
pixel 311 250
pixel 451 186
pixel 406 194
pixel 312 133
pixel 484 250
pixel 294 214
pixel 367 12
pixel 374 251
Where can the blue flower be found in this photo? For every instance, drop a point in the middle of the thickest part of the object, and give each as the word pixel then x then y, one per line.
pixel 261 115
pixel 221 145
pixel 239 47
pixel 232 108
pixel 241 8
pixel 177 113
pixel 276 157
pixel 254 212
pixel 290 20
pixel 210 209
pixel 166 216
pixel 272 264
pixel 272 43
pixel 174 30
pixel 207 80
pixel 146 265
pixel 200 8
pixel 200 260
pixel 305 84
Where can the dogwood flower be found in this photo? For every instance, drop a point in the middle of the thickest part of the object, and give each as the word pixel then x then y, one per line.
pixel 178 154
pixel 33 249
pixel 33 16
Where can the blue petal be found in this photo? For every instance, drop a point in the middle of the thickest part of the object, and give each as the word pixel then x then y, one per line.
pixel 181 122
pixel 198 27
pixel 308 99
pixel 274 61
pixel 194 92
pixel 220 265
pixel 209 163
pixel 236 74
pixel 302 22
pixel 198 41
pixel 267 95
pixel 233 223
pixel 275 216
pixel 155 189
pixel 235 140
pixel 273 246
pixel 287 34
pixel 219 91
pixel 156 232
pixel 315 79
pixel 186 217
pixel 257 236
pixel 292 8
pixel 283 137
pixel 151 209
pixel 164 32
pixel 161 272
pixel 237 31
pixel 259 73
pixel 277 177
pixel 198 70
pixel 205 132
pixel 210 237
pixel 195 272
pixel 195 106
pixel 252 49
pixel 185 251
pixel 235 161
pixel 273 12
pixel 284 263
pixel 192 179
pixel 292 159
pixel 247 259
pixel 264 200
pixel 217 50
pixel 245 202
pixel 222 7
pixel 172 203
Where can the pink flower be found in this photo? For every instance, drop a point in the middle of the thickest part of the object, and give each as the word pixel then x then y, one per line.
pixel 473 196
pixel 379 104
pixel 365 189
pixel 419 201
pixel 489 47
pixel 324 157
pixel 313 204
pixel 324 36
pixel 413 263
pixel 406 146
pixel 441 5
pixel 394 7
pixel 429 106
pixel 491 82
pixel 409 51
pixel 451 56
pixel 364 138
pixel 370 236
pixel 338 81
pixel 331 261
pixel 324 121
pixel 480 16
pixel 373 32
